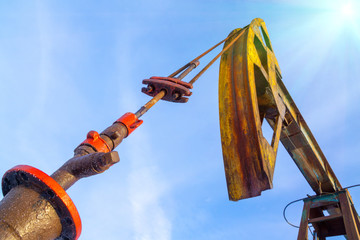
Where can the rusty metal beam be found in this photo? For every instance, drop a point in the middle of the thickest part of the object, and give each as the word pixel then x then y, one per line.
pixel 251 92
pixel 303 148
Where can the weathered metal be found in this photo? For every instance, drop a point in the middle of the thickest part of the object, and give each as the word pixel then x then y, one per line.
pixel 251 91
pixel 186 69
pixel 84 166
pixel 330 215
pixel 35 206
pixel 26 215
pixel 95 141
pixel 226 47
pixel 130 121
pixel 246 80
pixel 191 66
pixel 111 137
pixel 175 89
pixel 170 89
pixel 303 148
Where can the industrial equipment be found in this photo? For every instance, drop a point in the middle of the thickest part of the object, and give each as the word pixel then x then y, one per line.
pixel 251 92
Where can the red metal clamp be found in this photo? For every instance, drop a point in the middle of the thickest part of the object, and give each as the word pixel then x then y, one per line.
pixel 130 121
pixel 175 88
pixel 41 182
pixel 94 140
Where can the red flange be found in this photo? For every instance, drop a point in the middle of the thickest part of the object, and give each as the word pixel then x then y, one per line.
pixel 130 121
pixel 41 182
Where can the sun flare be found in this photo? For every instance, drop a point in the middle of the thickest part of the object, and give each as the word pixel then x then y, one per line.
pixel 348 11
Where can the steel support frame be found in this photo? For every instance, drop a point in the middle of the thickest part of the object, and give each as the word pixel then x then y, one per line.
pixel 343 221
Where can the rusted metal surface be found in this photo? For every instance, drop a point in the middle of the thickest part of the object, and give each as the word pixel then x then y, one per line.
pixel 226 47
pixel 84 166
pixel 45 196
pixel 248 158
pixel 111 137
pixel 250 92
pixel 303 148
pixel 35 206
pixel 192 65
pixel 172 90
pixel 183 71
pixel 175 89
pixel 26 215
pixel 340 219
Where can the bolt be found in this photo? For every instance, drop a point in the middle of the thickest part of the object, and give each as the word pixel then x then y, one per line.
pixel 115 135
pixel 150 88
pixel 68 221
pixel 92 135
pixel 23 176
pixel 50 193
pixel 176 96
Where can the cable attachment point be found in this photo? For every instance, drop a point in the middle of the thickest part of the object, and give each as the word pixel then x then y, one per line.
pixel 175 89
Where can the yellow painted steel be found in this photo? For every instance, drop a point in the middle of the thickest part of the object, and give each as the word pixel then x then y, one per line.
pixel 251 92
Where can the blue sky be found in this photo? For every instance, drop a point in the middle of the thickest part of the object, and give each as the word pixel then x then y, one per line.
pixel 67 67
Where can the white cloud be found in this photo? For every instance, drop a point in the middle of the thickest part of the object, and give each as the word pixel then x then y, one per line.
pixel 150 220
pixel 146 185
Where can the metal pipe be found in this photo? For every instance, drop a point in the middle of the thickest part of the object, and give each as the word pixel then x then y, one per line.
pixel 84 166
pixel 150 103
pixel 26 215
pixel 191 67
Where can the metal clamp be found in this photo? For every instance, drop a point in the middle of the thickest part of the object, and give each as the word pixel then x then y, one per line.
pixel 130 121
pixel 94 140
pixel 175 89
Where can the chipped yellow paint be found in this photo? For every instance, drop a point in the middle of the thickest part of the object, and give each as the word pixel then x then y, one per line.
pixel 251 92
pixel 249 170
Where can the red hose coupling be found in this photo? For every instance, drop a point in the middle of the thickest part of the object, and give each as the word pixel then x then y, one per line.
pixel 95 141
pixel 130 121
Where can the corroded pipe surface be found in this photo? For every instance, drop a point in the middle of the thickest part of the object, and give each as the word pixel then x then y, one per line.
pixel 84 166
pixel 26 215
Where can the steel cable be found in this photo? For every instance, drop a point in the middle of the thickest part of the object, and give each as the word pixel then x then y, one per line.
pixel 191 64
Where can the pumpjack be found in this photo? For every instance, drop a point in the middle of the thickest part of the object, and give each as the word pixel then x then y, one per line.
pixel 251 93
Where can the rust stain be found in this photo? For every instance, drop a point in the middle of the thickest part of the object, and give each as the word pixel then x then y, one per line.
pixel 250 92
